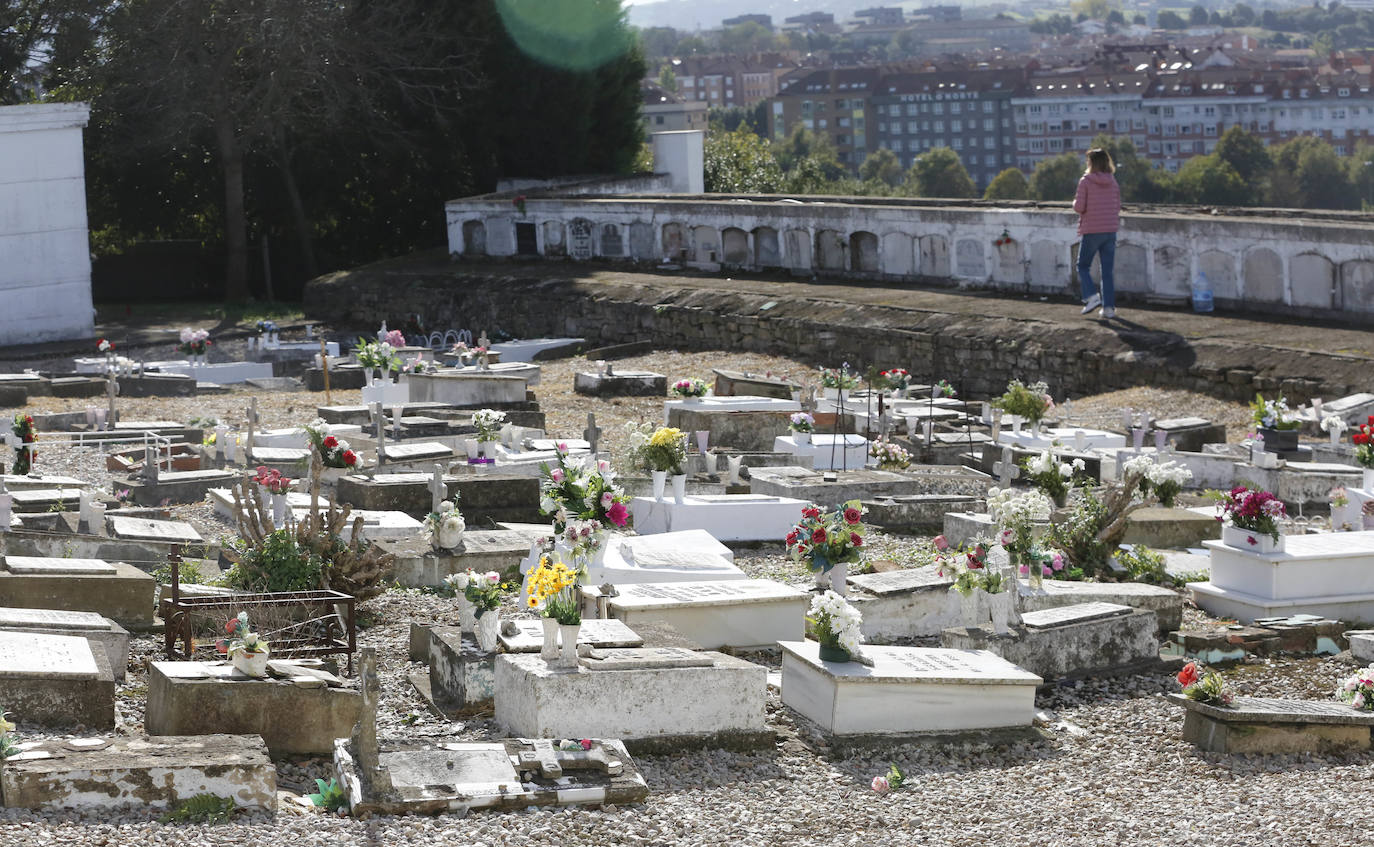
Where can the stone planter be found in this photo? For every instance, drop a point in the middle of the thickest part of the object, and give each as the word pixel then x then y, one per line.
pixel 801 437
pixel 836 579
pixel 1255 542
pixel 467 614
pixel 1279 440
pixel 488 627
pixel 833 653
pixel 679 488
pixel 1367 479
pixel 568 632
pixel 969 608
pixel 250 664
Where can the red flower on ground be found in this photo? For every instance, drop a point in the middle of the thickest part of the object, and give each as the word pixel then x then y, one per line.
pixel 1188 675
pixel 811 512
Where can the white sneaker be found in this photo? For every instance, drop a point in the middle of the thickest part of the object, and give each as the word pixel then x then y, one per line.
pixel 1092 303
pixel 1108 314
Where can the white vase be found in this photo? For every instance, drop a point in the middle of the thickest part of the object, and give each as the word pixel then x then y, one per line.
pixel 467 615
pixel 470 447
pixel 679 488
pixel 999 607
pixel 488 627
pixel 549 651
pixel 1335 437
pixel 450 538
pixel 568 633
pixel 1367 479
pixel 279 510
pixel 968 609
pixel 1035 429
pixel 250 664
pixel 839 578
pixel 734 463
pixel 659 478
pixel 801 438
pixel 1255 542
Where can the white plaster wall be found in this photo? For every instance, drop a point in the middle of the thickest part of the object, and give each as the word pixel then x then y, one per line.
pixel 45 262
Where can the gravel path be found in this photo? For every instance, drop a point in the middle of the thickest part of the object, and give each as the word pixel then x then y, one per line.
pixel 1111 766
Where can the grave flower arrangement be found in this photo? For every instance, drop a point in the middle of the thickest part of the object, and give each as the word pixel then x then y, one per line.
pixel 519 203
pixel 488 423
pixel 444 529
pixel 483 590
pixel 373 354
pixel 842 379
pixel 1253 511
pixel 1031 402
pixel 265 326
pixel 1273 414
pixel 194 342
pixel 836 625
pixel 1050 475
pixel 105 345
pixel 1165 480
pixel 334 452
pixel 947 559
pixel 801 422
pixel 240 637
pixel 892 781
pixel 1334 423
pixel 1363 439
pixel 1016 513
pixel 828 538
pixel 690 387
pixel 7 746
pixel 581 490
pixel 1203 687
pixel 553 591
pixel 24 454
pixel 1003 239
pixel 394 338
pixel 666 450
pixel 1357 690
pixel 944 389
pixel 417 365
pixel 272 480
pixel 889 456
pixel 895 379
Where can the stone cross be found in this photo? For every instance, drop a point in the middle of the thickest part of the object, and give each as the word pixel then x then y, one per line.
pixel 150 464
pixel 592 434
pixel 1007 469
pixel 884 422
pixel 437 490
pixel 379 422
pixel 111 391
pixel 483 341
pixel 365 730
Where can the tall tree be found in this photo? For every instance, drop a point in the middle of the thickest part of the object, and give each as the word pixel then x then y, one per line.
pixel 1010 184
pixel 939 173
pixel 740 162
pixel 882 166
pixel 44 42
pixel 1245 152
pixel 1057 178
pixel 1211 179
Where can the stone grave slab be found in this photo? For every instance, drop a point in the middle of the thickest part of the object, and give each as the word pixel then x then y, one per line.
pixel 172 532
pixel 519 350
pixel 595 633
pixel 867 484
pixel 175 486
pixel 56 680
pixel 45 499
pixel 417 565
pixel 220 373
pixel 904 603
pixel 737 613
pixel 296 437
pixel 684 556
pixel 744 384
pixel 620 384
pixel 1070 641
pixel 827 451
pixel 104 635
pixel 1166 603
pixel 399 454
pixel 1161 528
pixel 361 416
pixel 1090 439
pixel 918 512
pixel 644 658
pixel 651 708
pixel 1330 575
pixel 1264 725
pixel 747 424
pixel 907 690
pixel 203 698
pixel 26 483
pixel 728 517
pixel 471 388
pixel 117 773
pixel 1189 433
pixel 462 676
pixel 124 594
pixel 963 528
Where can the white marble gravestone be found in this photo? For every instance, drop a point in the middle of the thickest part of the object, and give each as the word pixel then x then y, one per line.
pixel 827 451
pixel 728 517
pixel 1331 575
pixel 101 632
pixel 47 566
pixel 737 613
pixel 175 532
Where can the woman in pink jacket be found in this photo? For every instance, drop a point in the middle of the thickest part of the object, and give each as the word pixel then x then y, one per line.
pixel 1098 204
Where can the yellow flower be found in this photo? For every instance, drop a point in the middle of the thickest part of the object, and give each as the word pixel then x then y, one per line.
pixel 533 601
pixel 667 436
pixel 5 726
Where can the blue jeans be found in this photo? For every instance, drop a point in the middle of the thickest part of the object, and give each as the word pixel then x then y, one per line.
pixel 1102 244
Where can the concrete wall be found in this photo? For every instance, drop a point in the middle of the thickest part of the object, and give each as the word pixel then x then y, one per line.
pixel 45 260
pixel 1276 264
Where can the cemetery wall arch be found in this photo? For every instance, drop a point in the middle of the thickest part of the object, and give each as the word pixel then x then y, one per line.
pixel 863 253
pixel 705 244
pixel 797 255
pixel 734 245
pixel 767 250
pixel 899 255
pixel 1313 281
pixel 674 242
pixel 474 238
pixel 831 247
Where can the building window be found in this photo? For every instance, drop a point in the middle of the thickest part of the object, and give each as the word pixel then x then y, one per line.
pixel 1037 145
pixel 939 126
pixel 910 109
pixel 988 107
pixel 1035 110
pixel 1056 145
pixel 957 143
pixel 989 124
pixel 1209 130
pixel 989 142
pixel 990 161
pixel 1154 147
pixel 938 108
pixel 1185 147
pixel 911 127
pixel 956 126
pixel 658 119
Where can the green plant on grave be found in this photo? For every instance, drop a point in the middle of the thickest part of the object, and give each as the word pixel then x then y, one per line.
pixel 7 746
pixel 1031 402
pixel 188 574
pixel 1077 536
pixel 280 563
pixel 330 795
pixel 1145 565
pixel 202 808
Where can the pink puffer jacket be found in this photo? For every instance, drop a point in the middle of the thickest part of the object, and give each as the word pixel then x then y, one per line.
pixel 1098 203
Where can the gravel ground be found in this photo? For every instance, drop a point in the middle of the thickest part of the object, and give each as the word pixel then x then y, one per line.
pixel 1110 765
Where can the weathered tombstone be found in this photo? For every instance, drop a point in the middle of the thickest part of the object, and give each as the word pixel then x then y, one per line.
pixel 592 434
pixel 111 391
pixel 437 490
pixel 1007 469
pixel 380 425
pixel 580 239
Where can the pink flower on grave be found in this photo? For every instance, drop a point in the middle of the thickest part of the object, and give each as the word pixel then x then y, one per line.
pixel 586 744
pixel 1045 570
pixel 493 577
pixel 880 784
pixel 562 448
pixel 603 466
pixel 1057 561
pixel 941 543
pixel 1007 538
pixel 618 514
pixel 607 499
pixel 1358 702
pixel 556 475
pixel 1023 570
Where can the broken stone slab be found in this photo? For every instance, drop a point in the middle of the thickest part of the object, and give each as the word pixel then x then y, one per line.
pixel 481 498
pixel 727 517
pixel 175 486
pixel 60 538
pixel 56 680
pixel 742 384
pixel 112 589
pixel 620 384
pixel 1361 645
pixel 104 635
pixel 1301 634
pixel 1189 433
pixel 1264 725
pixel 1070 641
pixel 417 565
pixel 158 772
pixel 45 499
pixel 733 422
pixel 918 512
pixel 194 698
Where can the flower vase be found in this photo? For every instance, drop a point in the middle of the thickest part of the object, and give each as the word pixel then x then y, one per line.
pixel 659 477
pixel 801 438
pixel 568 651
pixel 1035 429
pixel 1245 539
pixel 679 488
pixel 488 627
pixel 549 651
pixel 839 578
pixel 279 510
pixel 734 463
pixel 968 609
pixel 999 608
pixel 467 614
pixel 1335 436
pixel 1137 439
pixel 1035 574
pixel 449 537
pixel 1367 479
pixel 250 664
pixel 833 653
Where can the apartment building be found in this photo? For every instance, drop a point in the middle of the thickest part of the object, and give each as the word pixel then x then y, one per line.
pixel 724 81
pixel 834 103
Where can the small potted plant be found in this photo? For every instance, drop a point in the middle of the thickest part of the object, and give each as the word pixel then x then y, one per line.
pixel 801 425
pixel 246 649
pixel 488 423
pixel 1363 439
pixel 335 454
pixel 553 591
pixel 271 481
pixel 1358 689
pixel 195 343
pixel 664 454
pixel 24 451
pixel 943 389
pixel 836 625
pixel 1251 520
pixel 690 389
pixel 895 380
pixel 830 542
pixel 445 527
pixel 1031 402
pixel 836 384
pixel 1276 424
pixel 1165 480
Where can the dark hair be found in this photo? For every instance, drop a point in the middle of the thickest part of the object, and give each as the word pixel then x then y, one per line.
pixel 1100 161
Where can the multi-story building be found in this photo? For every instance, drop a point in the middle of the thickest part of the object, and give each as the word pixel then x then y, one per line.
pixel 761 20
pixel 833 103
pixel 724 81
pixel 968 111
pixel 882 15
pixel 664 111
pixel 1058 112
pixel 1337 107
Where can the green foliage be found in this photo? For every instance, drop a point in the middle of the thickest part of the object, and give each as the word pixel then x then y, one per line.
pixel 280 564
pixel 740 162
pixel 202 808
pixel 1056 24
pixel 188 573
pixel 667 79
pixel 1076 535
pixel 1010 184
pixel 1244 152
pixel 939 173
pixel 1169 19
pixel 330 795
pixel 1210 179
pixel 1057 178
pixel 882 166
pixel 1144 565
